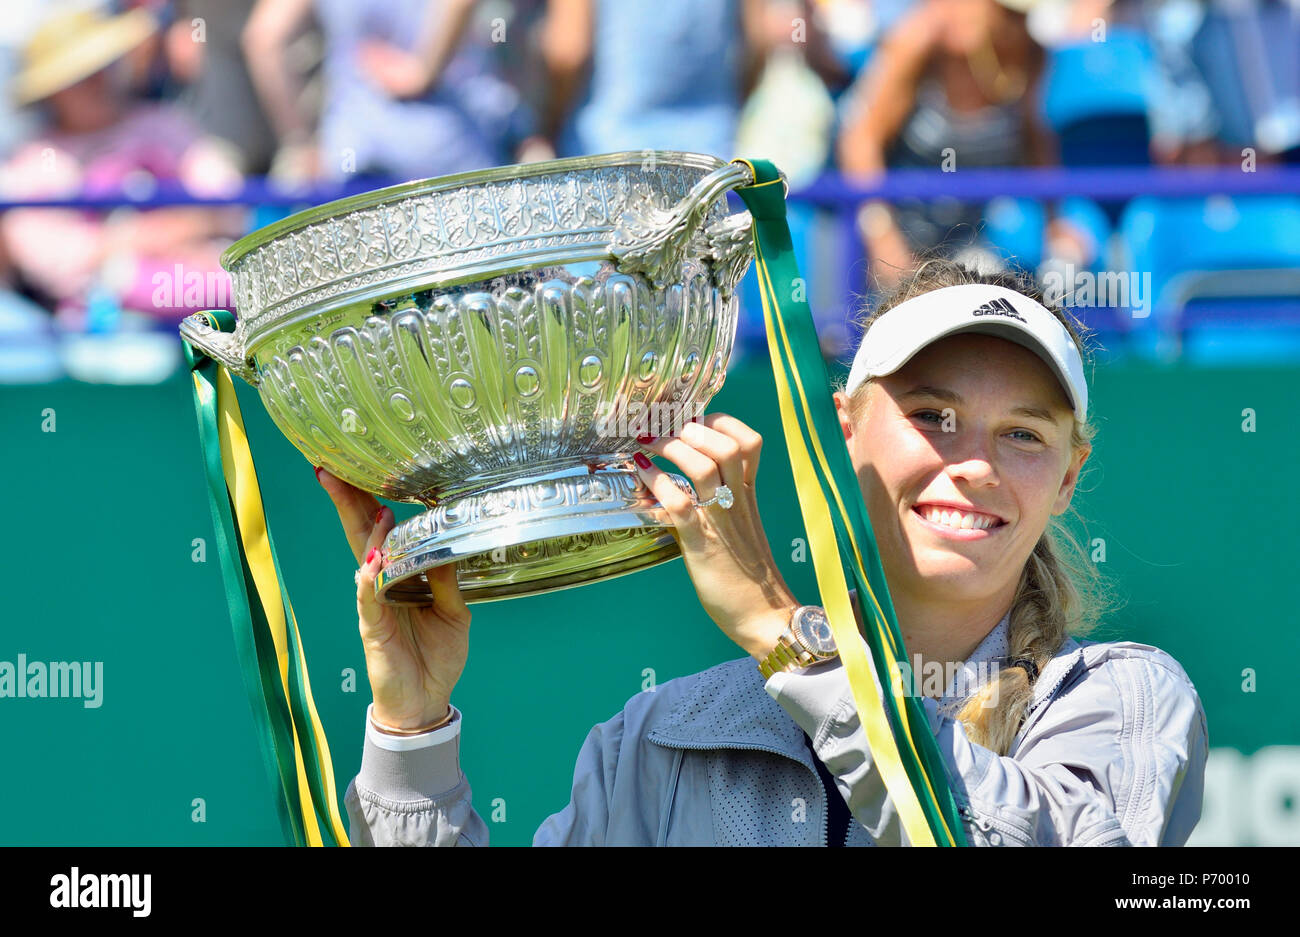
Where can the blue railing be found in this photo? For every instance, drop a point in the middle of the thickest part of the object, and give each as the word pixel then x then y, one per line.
pixel 836 199
pixel 830 191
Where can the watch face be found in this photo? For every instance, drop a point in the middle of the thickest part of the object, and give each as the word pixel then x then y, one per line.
pixel 814 630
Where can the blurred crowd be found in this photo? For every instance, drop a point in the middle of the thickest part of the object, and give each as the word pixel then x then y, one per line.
pixel 122 97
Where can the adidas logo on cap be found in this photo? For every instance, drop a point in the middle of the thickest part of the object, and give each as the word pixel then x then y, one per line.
pixel 998 307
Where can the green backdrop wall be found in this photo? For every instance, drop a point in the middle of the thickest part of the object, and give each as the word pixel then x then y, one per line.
pixel 103 508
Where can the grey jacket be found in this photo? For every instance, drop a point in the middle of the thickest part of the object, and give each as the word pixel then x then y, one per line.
pixel 1112 753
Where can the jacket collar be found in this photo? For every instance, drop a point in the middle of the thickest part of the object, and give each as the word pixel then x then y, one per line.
pixel 727 707
pixel 1063 662
pixel 995 648
pixel 992 652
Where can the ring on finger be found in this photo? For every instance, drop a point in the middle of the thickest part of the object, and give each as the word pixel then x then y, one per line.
pixel 722 497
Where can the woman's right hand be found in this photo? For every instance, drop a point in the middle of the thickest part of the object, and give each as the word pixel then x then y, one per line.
pixel 414 656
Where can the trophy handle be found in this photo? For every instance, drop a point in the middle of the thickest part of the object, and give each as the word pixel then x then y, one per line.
pixel 728 245
pixel 654 241
pixel 222 347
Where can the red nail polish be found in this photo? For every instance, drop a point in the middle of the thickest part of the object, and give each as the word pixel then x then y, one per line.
pixel 641 460
pixel 645 439
pixel 379 515
pixel 371 555
pixel 318 471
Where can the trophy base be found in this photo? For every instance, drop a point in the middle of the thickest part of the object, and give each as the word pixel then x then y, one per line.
pixel 532 534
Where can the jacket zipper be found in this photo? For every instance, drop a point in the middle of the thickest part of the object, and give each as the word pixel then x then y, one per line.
pixel 826 811
pixel 990 824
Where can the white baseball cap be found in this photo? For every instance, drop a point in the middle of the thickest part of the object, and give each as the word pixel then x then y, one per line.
pixel 900 333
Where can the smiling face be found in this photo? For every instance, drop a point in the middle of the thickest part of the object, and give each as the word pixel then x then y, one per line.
pixel 1003 449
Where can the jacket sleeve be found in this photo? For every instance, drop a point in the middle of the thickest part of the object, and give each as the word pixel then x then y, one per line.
pixel 585 820
pixel 1118 758
pixel 413 797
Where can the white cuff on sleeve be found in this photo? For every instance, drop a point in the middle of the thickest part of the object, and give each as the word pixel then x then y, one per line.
pixel 407 743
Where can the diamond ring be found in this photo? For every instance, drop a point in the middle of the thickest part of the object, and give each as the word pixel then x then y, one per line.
pixel 356 577
pixel 722 498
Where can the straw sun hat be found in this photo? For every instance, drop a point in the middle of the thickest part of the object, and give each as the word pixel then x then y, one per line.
pixel 74 43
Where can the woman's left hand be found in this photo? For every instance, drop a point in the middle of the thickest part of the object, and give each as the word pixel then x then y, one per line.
pixel 725 550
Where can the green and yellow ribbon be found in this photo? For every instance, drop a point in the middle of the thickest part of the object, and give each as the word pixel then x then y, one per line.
pixel 840 535
pixel 269 645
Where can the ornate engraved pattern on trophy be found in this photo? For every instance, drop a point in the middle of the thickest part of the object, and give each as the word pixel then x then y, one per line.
pixel 446 231
pixel 435 392
pixel 613 492
pixel 602 544
pixel 454 526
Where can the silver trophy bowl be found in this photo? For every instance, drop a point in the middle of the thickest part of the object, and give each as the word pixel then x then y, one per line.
pixel 489 345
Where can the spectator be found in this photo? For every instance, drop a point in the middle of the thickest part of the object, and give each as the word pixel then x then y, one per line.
pixel 98 141
pixel 1246 53
pixel 666 75
pixel 789 117
pixel 204 54
pixel 1179 123
pixel 952 85
pixel 410 89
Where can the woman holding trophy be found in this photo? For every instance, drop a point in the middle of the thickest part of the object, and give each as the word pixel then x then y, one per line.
pixel 965 417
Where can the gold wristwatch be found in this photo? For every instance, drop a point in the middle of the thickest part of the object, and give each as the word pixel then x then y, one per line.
pixel 806 641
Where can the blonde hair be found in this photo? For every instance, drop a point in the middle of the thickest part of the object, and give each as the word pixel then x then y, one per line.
pixel 1061 591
